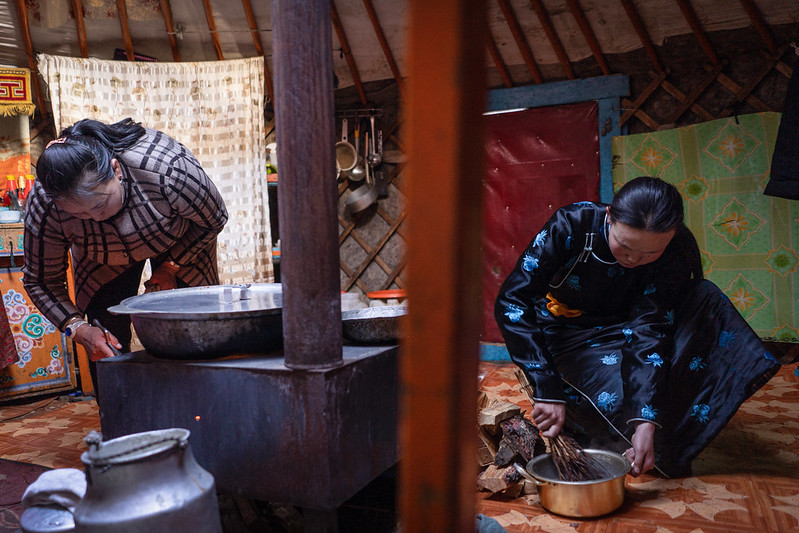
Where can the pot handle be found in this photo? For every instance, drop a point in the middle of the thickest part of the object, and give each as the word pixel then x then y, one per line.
pixel 527 475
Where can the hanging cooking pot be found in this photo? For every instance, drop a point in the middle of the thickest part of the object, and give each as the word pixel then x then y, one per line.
pixel 579 499
pixel 346 155
pixel 146 483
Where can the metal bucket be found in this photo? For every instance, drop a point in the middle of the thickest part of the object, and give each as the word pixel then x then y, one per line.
pixel 146 483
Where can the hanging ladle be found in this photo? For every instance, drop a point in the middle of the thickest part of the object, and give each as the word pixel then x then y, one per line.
pixel 358 172
pixel 346 156
pixel 374 157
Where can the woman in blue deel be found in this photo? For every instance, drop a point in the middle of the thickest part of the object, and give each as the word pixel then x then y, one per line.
pixel 627 347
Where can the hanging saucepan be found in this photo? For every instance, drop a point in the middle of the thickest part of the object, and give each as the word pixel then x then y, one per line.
pixel 346 155
pixel 579 499
pixel 365 195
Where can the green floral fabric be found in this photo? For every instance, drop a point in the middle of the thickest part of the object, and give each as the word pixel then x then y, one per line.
pixel 749 241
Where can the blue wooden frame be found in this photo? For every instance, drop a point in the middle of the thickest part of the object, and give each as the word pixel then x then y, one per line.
pixel 607 92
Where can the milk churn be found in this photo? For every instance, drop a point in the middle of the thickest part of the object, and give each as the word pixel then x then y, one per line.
pixel 146 483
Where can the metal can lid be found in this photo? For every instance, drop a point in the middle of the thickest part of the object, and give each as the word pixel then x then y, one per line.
pixel 134 447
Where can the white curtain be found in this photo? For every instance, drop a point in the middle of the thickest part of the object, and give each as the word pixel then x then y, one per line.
pixel 214 108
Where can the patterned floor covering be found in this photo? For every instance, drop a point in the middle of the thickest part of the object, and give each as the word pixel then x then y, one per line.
pixel 746 481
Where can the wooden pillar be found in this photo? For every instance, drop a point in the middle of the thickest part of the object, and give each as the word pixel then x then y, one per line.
pixel 439 358
pixel 307 197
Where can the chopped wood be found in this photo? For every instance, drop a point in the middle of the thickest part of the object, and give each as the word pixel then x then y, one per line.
pixel 495 412
pixel 486 448
pixel 484 455
pixel 520 441
pixel 495 479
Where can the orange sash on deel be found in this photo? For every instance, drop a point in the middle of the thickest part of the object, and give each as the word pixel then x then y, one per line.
pixel 561 309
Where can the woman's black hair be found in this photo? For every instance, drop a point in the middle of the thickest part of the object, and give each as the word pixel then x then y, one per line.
pixel 651 204
pixel 80 158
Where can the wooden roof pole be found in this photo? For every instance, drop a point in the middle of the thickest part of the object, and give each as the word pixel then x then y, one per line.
pixel 381 38
pixel 693 21
pixel 760 25
pixel 347 51
pixel 122 10
pixel 209 18
pixel 259 49
pixel 643 35
pixel 166 12
pixel 521 42
pixel 439 362
pixel 493 51
pixel 552 35
pixel 22 14
pixel 80 27
pixel 590 36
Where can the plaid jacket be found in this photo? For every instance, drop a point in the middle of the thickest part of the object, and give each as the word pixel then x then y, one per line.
pixel 171 207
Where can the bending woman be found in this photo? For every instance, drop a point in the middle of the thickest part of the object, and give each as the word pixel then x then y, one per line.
pixel 115 196
pixel 627 347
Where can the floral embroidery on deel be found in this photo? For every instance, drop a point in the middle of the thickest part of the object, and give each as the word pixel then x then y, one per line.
pixel 700 412
pixel 670 316
pixel 726 338
pixel 529 263
pixel 697 363
pixel 606 400
pixel 532 366
pixel 541 238
pixel 610 359
pixel 654 360
pixel 573 282
pixel 650 289
pixel 628 334
pixel 648 412
pixel 514 312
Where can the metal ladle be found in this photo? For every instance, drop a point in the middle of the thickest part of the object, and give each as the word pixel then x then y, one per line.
pixel 374 157
pixel 358 172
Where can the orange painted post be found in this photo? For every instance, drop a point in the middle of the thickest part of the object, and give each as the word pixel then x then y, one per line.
pixel 439 357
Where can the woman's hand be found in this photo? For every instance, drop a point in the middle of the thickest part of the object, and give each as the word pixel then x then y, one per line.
pixel 93 339
pixel 549 417
pixel 642 454
pixel 163 279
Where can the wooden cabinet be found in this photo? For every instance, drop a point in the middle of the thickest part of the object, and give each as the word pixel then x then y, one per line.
pixel 46 357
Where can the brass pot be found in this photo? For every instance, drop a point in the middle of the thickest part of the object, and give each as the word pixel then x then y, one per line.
pixel 579 499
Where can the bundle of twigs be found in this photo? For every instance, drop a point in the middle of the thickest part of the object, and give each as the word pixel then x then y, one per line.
pixel 570 460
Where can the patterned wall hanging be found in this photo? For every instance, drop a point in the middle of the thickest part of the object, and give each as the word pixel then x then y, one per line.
pixel 749 241
pixel 15 92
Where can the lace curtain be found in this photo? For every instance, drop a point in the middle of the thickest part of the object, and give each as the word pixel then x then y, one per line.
pixel 214 108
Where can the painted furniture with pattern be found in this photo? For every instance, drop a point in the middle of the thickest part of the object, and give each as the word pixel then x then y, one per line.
pixel 11 240
pixel 46 357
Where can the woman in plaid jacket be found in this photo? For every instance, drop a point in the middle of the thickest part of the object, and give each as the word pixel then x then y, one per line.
pixel 114 196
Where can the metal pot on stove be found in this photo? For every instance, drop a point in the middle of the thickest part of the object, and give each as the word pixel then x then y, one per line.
pixel 208 322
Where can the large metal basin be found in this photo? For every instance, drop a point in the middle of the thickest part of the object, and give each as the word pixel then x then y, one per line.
pixel 208 322
pixel 373 325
